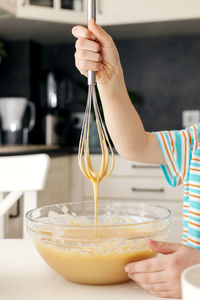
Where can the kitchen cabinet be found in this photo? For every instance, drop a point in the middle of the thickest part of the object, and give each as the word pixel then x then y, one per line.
pixel 114 12
pixel 7 8
pixel 33 10
pixel 20 19
pixel 56 191
pixel 130 180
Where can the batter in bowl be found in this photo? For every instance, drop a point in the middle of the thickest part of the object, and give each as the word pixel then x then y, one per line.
pixel 64 236
pixel 98 259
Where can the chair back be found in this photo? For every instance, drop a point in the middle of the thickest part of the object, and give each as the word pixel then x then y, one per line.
pixel 21 176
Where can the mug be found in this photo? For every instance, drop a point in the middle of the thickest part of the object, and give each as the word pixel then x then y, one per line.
pixel 190 280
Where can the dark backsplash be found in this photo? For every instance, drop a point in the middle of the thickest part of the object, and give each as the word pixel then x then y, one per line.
pixel 163 71
pixel 166 72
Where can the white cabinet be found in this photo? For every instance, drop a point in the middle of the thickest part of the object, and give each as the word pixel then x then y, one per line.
pixel 139 17
pixel 109 12
pixel 7 8
pixel 115 12
pixel 27 9
pixel 57 190
pixel 130 180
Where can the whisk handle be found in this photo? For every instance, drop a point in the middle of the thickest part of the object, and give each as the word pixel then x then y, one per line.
pixel 91 15
pixel 91 9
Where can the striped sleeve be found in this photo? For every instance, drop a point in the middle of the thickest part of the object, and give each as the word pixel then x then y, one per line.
pixel 176 149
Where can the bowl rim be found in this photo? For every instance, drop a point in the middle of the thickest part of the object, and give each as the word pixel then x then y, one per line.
pixel 184 278
pixel 99 226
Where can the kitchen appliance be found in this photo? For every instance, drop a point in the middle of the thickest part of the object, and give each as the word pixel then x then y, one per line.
pixel 56 92
pixel 56 129
pixel 68 240
pixel 75 125
pixel 15 125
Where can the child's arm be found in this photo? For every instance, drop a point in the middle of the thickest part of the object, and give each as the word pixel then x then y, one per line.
pixel 96 51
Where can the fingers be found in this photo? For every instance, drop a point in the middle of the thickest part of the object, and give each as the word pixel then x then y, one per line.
pixel 82 32
pixel 87 56
pixel 163 247
pixel 86 65
pixel 148 278
pixel 146 266
pixel 83 44
pixel 164 289
pixel 160 287
pixel 96 32
pixel 102 36
pixel 90 55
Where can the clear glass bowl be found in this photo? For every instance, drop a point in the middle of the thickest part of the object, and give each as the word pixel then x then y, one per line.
pixel 67 239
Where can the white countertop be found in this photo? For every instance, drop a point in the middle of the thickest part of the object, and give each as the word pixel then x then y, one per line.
pixel 25 276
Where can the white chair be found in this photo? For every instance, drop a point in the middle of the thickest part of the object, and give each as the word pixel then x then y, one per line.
pixel 21 176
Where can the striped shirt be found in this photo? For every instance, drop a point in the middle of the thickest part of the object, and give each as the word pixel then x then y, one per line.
pixel 181 150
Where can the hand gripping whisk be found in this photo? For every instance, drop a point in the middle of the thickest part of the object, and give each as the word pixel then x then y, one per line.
pixel 84 160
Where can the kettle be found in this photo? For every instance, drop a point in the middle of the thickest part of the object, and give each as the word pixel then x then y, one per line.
pixel 12 112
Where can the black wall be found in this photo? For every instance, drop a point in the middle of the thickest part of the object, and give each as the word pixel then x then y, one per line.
pixel 163 71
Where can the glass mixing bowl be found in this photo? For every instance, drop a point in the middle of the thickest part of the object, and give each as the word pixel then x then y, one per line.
pixel 70 243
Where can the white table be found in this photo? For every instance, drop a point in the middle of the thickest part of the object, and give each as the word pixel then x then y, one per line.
pixel 25 276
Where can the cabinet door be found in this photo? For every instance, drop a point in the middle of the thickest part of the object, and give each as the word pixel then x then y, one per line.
pixel 57 13
pixel 7 7
pixel 134 188
pixel 115 12
pixel 57 184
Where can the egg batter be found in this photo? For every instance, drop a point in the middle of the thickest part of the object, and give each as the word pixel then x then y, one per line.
pixel 95 261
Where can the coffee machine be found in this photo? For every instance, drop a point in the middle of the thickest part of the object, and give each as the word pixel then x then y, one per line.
pixel 56 92
pixel 15 126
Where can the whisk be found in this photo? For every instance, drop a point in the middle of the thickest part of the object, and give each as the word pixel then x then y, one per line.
pixel 84 160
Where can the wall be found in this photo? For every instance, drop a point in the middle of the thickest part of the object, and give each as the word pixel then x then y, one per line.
pixel 164 71
pixel 15 70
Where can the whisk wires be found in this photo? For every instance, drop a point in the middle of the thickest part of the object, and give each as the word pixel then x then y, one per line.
pixel 106 148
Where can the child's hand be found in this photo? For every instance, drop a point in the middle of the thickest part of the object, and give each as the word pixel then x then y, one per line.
pixel 96 51
pixel 161 276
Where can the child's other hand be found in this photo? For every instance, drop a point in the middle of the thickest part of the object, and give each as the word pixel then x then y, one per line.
pixel 161 276
pixel 96 51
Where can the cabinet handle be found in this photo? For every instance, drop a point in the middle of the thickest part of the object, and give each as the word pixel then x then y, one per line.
pixel 148 190
pixel 145 167
pixel 11 216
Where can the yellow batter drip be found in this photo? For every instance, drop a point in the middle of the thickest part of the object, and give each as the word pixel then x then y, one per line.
pixel 85 163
